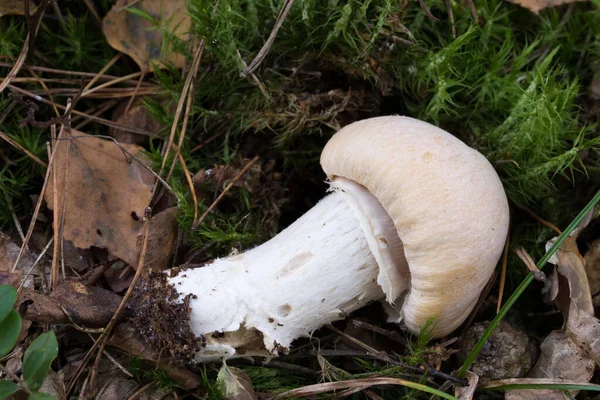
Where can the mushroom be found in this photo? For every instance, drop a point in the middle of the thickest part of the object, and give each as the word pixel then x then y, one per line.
pixel 415 218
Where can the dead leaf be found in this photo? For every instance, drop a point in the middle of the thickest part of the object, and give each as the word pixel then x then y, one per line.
pixel 467 392
pixel 15 7
pixel 162 236
pixel 126 339
pixel 139 38
pixel 106 194
pixel 537 5
pixel 235 384
pixel 54 385
pixel 138 117
pixel 9 252
pixel 592 263
pixel 572 352
pixel 90 306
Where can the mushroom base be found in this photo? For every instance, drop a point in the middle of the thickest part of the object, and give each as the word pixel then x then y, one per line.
pixel 256 303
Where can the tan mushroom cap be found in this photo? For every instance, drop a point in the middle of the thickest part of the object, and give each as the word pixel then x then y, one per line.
pixel 446 201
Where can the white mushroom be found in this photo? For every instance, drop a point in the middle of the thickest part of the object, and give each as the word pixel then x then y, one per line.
pixel 416 218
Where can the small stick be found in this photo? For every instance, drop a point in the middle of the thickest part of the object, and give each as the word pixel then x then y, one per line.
pixel 503 273
pixel 229 186
pixel 23 149
pixel 427 12
pixel 102 340
pixel 91 117
pixel 530 264
pixel 262 54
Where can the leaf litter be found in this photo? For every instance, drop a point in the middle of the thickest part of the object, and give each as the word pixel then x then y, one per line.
pixel 105 192
pixel 572 352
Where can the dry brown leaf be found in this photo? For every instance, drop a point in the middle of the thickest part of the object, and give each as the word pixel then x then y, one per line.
pixel 235 384
pixel 126 338
pixel 537 5
pixel 70 301
pixel 162 236
pixel 137 117
pixel 467 392
pixel 592 262
pixel 15 7
pixel 106 194
pixel 138 37
pixel 572 352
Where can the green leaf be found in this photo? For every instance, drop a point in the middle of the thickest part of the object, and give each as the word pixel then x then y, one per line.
pixel 7 388
pixel 41 396
pixel 8 297
pixel 9 332
pixel 37 359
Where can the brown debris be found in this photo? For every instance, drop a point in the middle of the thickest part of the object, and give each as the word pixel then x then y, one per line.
pixel 15 7
pixel 136 117
pixel 162 237
pixel 106 194
pixel 127 339
pixel 69 302
pixel 571 352
pixel 592 268
pixel 138 38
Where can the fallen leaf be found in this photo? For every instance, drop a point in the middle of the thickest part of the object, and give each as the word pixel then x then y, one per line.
pixel 592 265
pixel 235 384
pixel 69 301
pixel 467 392
pixel 138 37
pixel 126 338
pixel 106 194
pixel 15 7
pixel 138 117
pixel 54 385
pixel 9 252
pixel 537 5
pixel 162 235
pixel 572 352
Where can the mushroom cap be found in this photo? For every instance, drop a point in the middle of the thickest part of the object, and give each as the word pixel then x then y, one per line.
pixel 447 204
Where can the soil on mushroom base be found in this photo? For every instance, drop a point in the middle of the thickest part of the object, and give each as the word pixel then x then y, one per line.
pixel 171 333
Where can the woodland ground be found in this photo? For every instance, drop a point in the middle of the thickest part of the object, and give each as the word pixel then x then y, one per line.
pixel 522 88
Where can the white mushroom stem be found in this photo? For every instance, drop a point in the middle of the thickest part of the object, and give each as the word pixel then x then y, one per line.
pixel 316 271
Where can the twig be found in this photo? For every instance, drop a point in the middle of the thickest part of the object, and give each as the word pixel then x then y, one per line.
pixel 92 9
pixel 35 212
pixel 15 378
pixel 107 330
pixel 91 117
pixel 427 12
pixel 229 186
pixel 451 17
pixel 262 54
pixel 74 73
pixel 17 66
pixel 106 67
pixel 530 264
pixel 23 149
pixel 184 92
pixel 374 328
pixel 35 263
pixel 503 272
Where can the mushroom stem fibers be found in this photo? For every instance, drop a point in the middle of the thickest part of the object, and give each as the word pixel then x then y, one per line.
pixel 256 303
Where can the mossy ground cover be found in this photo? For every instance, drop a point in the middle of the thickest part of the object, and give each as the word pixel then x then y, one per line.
pixel 512 84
